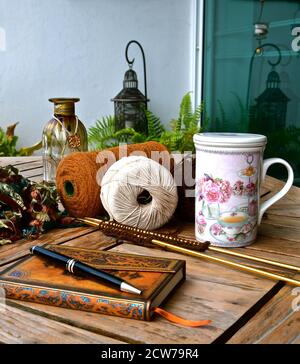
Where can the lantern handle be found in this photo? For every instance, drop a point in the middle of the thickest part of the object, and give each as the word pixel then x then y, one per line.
pixel 130 63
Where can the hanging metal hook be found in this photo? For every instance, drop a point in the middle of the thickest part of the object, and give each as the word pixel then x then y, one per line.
pixel 130 63
pixel 258 50
pixel 262 46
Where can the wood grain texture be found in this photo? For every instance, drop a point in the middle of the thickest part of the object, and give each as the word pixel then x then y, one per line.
pixel 93 240
pixel 29 167
pixel 275 185
pixel 20 161
pixel 277 322
pixel 211 291
pixel 22 327
pixel 19 249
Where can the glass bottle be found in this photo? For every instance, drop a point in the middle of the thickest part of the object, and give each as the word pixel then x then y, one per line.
pixel 62 135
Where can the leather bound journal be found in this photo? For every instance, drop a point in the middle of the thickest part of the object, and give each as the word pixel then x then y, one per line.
pixel 38 280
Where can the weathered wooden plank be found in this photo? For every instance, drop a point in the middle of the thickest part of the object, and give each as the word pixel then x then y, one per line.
pixel 285 210
pixel 19 249
pixel 279 232
pixel 283 221
pixel 277 322
pixel 274 248
pixel 93 240
pixel 275 185
pixel 32 172
pixel 19 161
pixel 29 166
pixel 21 327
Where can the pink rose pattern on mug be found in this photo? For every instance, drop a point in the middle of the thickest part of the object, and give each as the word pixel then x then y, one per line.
pixel 227 197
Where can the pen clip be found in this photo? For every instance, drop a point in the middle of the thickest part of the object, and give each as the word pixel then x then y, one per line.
pixel 70 265
pixel 32 249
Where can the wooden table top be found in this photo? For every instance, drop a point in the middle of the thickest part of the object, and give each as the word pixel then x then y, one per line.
pixel 244 308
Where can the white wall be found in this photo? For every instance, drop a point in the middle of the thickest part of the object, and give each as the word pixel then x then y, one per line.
pixel 75 48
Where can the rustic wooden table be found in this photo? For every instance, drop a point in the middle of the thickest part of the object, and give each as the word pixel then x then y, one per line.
pixel 244 308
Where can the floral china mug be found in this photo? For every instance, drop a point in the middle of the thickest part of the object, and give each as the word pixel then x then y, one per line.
pixel 229 171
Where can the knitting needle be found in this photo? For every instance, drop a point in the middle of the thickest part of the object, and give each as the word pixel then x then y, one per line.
pixel 227 262
pixel 172 247
pixel 227 251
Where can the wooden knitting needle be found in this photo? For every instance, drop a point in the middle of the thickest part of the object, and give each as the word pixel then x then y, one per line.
pixel 175 248
pixel 224 251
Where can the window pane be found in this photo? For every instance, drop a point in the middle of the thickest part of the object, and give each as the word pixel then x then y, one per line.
pixel 252 73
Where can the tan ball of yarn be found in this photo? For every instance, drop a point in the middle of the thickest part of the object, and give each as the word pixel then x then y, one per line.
pixel 130 177
pixel 77 173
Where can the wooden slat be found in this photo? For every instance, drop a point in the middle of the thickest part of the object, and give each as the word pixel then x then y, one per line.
pixel 282 221
pixel 279 232
pixel 274 185
pixel 274 248
pixel 34 172
pixel 19 161
pixel 29 167
pixel 21 327
pixel 277 322
pixel 38 164
pixel 284 210
pixel 94 240
pixel 19 249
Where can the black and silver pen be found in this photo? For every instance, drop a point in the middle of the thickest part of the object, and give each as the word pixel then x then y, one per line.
pixel 75 266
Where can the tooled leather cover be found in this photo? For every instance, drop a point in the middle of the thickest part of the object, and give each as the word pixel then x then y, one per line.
pixel 38 280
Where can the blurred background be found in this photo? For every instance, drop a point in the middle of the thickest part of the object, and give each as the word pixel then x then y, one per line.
pixel 241 57
pixel 76 48
pixel 252 74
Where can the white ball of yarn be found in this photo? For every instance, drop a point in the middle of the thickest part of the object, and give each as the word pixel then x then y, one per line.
pixel 126 179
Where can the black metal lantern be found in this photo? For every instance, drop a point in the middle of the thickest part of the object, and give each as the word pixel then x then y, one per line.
pixel 130 103
pixel 269 112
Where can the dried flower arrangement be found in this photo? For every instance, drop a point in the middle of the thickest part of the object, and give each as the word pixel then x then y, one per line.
pixel 27 208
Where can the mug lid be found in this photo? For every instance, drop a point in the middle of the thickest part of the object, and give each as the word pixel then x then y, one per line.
pixel 233 140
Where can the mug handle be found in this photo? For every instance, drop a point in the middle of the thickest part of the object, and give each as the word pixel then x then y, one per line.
pixel 266 164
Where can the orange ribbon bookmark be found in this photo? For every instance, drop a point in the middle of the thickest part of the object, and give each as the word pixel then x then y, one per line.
pixel 179 320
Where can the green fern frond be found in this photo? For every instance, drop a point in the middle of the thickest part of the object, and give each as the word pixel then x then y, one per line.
pixel 179 138
pixel 186 111
pixel 139 138
pixel 197 115
pixel 172 140
pixel 155 127
pixel 100 136
pixel 175 124
pixel 128 135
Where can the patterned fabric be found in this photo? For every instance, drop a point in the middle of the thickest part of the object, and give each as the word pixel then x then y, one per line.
pixel 26 208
